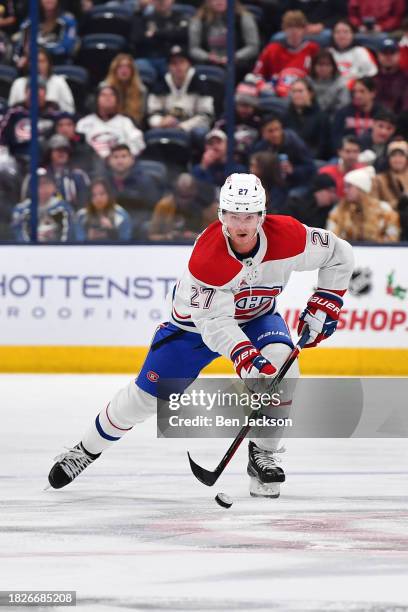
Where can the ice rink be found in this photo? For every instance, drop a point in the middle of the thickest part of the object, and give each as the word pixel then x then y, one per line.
pixel 137 532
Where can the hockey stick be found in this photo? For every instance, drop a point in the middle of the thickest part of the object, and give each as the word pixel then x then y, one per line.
pixel 209 478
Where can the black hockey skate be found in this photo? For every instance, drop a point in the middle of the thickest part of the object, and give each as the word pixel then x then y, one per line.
pixel 69 465
pixel 265 475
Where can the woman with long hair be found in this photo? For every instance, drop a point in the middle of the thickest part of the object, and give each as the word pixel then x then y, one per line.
pixel 353 61
pixel 57 33
pixel 361 217
pixel 328 84
pixel 208 36
pixel 57 89
pixel 124 76
pixel 102 219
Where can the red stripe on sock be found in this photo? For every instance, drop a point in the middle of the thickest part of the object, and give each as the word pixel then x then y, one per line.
pixel 113 424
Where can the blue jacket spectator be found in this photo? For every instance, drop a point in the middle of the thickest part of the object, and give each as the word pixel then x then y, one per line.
pixel 57 33
pixel 55 217
pixel 296 162
pixel 102 219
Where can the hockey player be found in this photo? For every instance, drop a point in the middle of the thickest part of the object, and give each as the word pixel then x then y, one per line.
pixel 225 304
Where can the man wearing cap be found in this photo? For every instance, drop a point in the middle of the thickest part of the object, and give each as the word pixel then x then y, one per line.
pixel 248 120
pixel 314 207
pixel 177 100
pixel 391 81
pixel 15 127
pixel 55 217
pixel 72 182
pixel 213 165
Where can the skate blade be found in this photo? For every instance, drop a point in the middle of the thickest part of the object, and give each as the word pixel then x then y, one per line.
pixel 260 489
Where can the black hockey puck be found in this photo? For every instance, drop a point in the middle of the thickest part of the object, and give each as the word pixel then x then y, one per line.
pixel 223 500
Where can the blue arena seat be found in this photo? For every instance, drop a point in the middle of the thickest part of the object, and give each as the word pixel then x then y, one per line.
pixel 96 53
pixel 108 19
pixel 8 74
pixel 77 78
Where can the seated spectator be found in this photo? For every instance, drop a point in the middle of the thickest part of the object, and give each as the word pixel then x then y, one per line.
pixel 178 216
pixel 57 89
pixel 392 184
pixel 403 215
pixel 306 119
pixel 248 120
pixel 71 182
pixel 353 61
pixel 314 207
pixel 391 82
pixel 213 165
pixel 55 217
pixel 208 36
pixel 356 118
pixel 384 126
pixel 373 16
pixel 102 219
pixel 265 165
pixel 131 187
pixel 124 76
pixel 81 154
pixel 283 62
pixel 108 127
pixel 361 217
pixel 156 30
pixel 296 162
pixel 177 100
pixel 15 128
pixel 57 33
pixel 347 161
pixel 329 86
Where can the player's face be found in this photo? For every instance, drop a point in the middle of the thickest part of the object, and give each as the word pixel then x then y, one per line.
pixel 242 230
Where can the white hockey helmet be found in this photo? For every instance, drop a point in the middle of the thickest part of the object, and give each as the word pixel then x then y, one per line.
pixel 242 193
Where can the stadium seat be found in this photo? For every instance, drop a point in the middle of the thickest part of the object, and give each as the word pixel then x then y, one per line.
pixel 256 12
pixel 8 74
pixel 147 72
pixel 77 78
pixel 96 53
pixel 187 9
pixel 169 146
pixel 323 38
pixel 213 84
pixel 272 105
pixel 107 19
pixel 156 170
pixel 370 41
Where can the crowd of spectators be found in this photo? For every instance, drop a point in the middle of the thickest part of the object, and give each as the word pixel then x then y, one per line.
pixel 132 120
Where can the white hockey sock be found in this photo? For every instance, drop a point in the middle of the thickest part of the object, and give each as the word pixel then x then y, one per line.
pixel 130 405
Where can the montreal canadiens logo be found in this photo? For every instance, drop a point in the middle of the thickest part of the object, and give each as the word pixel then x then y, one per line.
pixel 251 301
pixel 152 376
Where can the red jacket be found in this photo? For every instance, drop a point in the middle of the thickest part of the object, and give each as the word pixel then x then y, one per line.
pixel 388 13
pixel 277 56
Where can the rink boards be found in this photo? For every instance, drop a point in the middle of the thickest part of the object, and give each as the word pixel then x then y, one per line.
pixel 95 308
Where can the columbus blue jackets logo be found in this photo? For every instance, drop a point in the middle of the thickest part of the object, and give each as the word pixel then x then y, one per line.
pixel 252 301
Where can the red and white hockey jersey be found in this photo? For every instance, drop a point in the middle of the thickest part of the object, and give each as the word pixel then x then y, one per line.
pixel 218 292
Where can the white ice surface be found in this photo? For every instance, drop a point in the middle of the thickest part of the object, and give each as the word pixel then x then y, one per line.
pixel 137 531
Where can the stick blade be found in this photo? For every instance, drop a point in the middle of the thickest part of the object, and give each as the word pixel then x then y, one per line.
pixel 205 476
